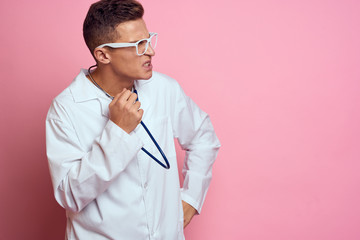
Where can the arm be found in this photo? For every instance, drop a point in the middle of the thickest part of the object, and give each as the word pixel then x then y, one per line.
pixel 196 136
pixel 79 175
pixel 189 212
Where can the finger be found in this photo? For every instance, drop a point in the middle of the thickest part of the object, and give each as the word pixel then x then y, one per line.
pixel 185 223
pixel 124 90
pixel 125 95
pixel 131 102
pixel 117 96
pixel 137 105
pixel 132 98
pixel 141 113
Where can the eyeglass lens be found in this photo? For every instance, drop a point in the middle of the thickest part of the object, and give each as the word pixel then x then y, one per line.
pixel 142 46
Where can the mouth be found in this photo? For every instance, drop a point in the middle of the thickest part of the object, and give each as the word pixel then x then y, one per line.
pixel 147 65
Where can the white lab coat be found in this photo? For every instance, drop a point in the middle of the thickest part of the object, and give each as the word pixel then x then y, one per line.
pixel 108 186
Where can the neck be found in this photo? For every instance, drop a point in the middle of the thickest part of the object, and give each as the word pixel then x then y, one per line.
pixel 110 82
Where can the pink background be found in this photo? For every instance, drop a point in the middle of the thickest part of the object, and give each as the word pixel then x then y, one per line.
pixel 280 80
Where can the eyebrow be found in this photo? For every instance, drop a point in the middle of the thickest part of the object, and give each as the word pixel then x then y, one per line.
pixel 138 40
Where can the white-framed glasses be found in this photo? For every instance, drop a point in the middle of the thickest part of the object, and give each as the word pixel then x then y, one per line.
pixel 141 45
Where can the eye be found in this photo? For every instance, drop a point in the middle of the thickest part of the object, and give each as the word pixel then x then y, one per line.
pixel 143 42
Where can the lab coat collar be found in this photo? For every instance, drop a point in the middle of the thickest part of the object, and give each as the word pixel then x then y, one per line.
pixel 83 90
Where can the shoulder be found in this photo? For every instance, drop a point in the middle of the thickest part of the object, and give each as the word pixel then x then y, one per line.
pixel 59 105
pixel 62 102
pixel 65 97
pixel 160 83
pixel 164 81
pixel 162 77
pixel 157 79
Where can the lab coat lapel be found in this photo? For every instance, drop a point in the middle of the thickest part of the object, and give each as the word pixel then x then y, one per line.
pixel 83 90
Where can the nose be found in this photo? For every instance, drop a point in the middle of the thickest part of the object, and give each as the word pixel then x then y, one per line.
pixel 150 51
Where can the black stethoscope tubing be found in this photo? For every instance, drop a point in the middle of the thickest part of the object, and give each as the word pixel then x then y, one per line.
pixel 167 166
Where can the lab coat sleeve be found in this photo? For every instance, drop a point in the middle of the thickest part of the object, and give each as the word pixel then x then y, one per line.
pixel 79 176
pixel 195 133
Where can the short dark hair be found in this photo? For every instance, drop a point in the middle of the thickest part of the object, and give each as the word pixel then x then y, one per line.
pixel 104 16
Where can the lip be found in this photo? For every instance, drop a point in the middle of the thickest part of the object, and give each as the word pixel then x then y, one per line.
pixel 147 67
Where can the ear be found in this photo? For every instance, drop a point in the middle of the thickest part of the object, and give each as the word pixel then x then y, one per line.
pixel 102 55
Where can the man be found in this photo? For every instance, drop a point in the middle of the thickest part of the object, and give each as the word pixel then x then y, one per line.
pixel 106 170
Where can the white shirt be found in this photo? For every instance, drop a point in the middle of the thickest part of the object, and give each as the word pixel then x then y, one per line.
pixel 108 186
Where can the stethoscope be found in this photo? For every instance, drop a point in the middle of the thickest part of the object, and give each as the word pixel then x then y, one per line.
pixel 167 166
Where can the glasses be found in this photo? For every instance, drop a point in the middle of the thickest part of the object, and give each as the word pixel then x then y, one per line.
pixel 141 45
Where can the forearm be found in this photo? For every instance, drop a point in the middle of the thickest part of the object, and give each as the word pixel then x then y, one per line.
pixel 199 159
pixel 79 176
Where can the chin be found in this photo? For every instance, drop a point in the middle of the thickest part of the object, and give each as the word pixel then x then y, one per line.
pixel 147 76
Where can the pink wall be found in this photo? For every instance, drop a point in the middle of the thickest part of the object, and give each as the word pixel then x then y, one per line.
pixel 280 80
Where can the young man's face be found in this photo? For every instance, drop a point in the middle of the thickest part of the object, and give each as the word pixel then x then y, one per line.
pixel 124 61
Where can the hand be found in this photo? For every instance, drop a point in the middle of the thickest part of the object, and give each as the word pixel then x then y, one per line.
pixel 189 212
pixel 124 111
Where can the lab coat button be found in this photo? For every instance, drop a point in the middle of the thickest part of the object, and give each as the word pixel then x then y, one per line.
pixel 145 185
